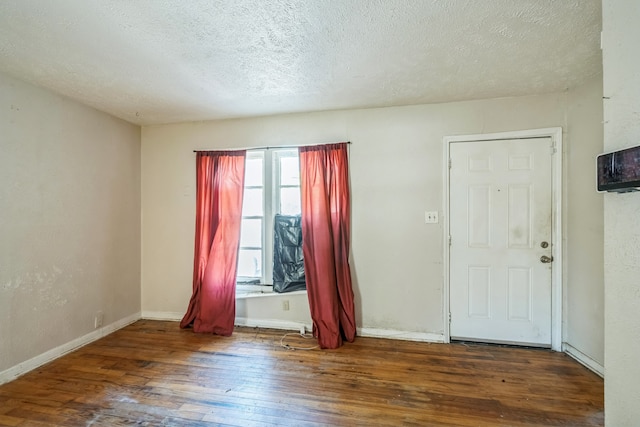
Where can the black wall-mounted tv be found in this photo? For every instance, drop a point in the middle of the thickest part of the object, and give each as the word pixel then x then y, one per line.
pixel 619 171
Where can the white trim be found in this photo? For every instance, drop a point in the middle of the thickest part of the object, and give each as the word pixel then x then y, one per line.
pixel 50 355
pixel 295 326
pixel 401 335
pixel 583 359
pixel 268 294
pixel 239 321
pixel 162 315
pixel 446 312
pixel 271 324
pixel 557 284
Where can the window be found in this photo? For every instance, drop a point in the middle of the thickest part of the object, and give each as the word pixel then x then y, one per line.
pixel 272 186
pixel 251 254
pixel 287 187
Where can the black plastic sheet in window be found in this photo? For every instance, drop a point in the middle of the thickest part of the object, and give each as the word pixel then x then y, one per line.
pixel 288 262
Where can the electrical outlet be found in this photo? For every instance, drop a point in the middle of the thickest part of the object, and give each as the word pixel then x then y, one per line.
pixel 285 305
pixel 431 217
pixel 98 320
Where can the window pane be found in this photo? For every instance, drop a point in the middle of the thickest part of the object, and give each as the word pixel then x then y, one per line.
pixel 290 201
pixel 289 171
pixel 253 172
pixel 250 263
pixel 251 233
pixel 252 202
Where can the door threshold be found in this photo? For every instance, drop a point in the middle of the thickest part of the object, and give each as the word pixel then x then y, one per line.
pixel 496 343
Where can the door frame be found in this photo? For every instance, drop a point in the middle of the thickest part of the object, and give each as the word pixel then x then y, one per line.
pixel 557 250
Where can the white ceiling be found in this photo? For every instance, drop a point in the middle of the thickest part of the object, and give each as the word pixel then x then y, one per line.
pixel 162 61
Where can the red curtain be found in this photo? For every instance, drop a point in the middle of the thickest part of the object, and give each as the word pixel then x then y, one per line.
pixel 324 188
pixel 219 188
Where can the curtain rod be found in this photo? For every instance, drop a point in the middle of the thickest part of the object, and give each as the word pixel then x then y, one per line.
pixel 269 148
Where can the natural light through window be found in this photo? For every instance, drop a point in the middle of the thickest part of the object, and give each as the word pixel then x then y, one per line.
pixel 250 257
pixel 272 186
pixel 289 183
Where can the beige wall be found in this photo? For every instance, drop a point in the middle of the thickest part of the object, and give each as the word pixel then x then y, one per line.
pixel 69 220
pixel 584 285
pixel 621 75
pixel 396 174
pixel 71 203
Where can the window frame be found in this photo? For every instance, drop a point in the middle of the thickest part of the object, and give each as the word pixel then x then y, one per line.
pixel 250 156
pixel 278 155
pixel 271 200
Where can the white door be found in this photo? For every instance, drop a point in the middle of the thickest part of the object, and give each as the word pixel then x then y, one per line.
pixel 500 254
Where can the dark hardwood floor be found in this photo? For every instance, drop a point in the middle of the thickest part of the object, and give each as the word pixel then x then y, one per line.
pixel 152 373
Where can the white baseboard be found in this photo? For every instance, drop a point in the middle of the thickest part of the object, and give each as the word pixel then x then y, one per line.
pixel 239 321
pixel 295 326
pixel 162 315
pixel 46 357
pixel 362 332
pixel 401 335
pixel 583 359
pixel 286 325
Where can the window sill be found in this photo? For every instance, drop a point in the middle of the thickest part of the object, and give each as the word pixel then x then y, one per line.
pixel 260 291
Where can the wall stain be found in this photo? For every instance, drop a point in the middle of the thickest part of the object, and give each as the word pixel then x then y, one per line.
pixel 46 286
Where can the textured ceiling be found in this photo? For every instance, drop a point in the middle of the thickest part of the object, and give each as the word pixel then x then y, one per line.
pixel 161 61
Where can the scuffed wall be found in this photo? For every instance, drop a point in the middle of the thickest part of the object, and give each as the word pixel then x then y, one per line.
pixel 69 220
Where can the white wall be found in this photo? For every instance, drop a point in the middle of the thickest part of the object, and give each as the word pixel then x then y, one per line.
pixel 69 221
pixel 396 174
pixel 621 73
pixel 584 285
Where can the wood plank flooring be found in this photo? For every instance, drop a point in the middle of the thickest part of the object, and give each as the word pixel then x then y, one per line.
pixel 154 374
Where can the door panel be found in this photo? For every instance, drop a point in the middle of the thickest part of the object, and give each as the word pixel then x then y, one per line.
pixel 500 213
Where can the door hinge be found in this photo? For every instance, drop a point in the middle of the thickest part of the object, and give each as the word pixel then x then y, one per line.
pixel 449 240
pixel 553 148
pixel 449 163
pixel 449 317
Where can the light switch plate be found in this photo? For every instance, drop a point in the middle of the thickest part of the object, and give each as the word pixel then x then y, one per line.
pixel 431 217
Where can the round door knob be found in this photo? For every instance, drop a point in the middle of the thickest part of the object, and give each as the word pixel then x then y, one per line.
pixel 545 259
